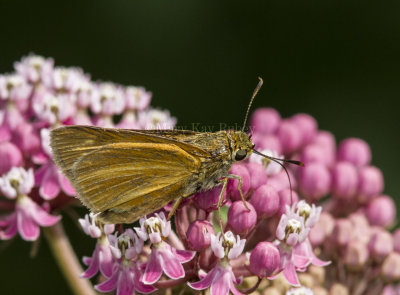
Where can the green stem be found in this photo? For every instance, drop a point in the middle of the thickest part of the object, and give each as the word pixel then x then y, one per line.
pixel 67 260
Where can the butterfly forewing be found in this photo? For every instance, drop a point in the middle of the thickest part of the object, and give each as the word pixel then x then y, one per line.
pixel 124 174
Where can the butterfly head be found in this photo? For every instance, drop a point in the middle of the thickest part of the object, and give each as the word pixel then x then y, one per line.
pixel 241 145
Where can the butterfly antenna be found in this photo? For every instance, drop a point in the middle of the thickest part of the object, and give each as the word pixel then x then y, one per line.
pixel 277 160
pixel 260 83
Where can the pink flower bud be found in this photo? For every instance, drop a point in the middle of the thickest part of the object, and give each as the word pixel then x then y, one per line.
pixel 285 198
pixel 355 151
pixel 265 120
pixel 267 142
pixel 314 181
pixel 370 183
pixel 199 234
pixel 315 153
pixel 258 176
pixel 290 137
pixel 233 184
pixel 10 156
pixel 208 200
pixel 380 244
pixel 344 180
pixel 381 211
pixel 240 220
pixel 390 269
pixel 361 230
pixel 280 181
pixel 322 230
pixel 265 200
pixel 356 255
pixel 396 240
pixel 325 139
pixel 342 232
pixel 264 259
pixel 307 125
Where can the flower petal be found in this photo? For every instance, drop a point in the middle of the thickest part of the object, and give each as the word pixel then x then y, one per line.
pixel 93 268
pixel 301 261
pixel 27 227
pixel 65 185
pixel 183 255
pixel 318 262
pixel 290 275
pixel 50 187
pixel 11 225
pixel 125 282
pixel 111 283
pixel 153 270
pixel 105 261
pixel 221 284
pixel 42 217
pixel 171 265
pixel 207 280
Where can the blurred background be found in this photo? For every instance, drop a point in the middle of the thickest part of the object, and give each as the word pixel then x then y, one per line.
pixel 336 60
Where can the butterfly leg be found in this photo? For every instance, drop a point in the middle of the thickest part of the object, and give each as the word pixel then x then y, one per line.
pixel 239 188
pixel 224 182
pixel 174 207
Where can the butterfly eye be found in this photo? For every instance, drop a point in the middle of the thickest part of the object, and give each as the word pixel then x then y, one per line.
pixel 240 155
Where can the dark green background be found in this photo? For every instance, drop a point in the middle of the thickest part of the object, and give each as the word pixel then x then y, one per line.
pixel 336 60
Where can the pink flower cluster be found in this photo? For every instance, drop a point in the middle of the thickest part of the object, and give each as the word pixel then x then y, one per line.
pixel 333 206
pixel 35 98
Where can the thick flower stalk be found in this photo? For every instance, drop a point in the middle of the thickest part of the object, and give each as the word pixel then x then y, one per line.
pixel 327 231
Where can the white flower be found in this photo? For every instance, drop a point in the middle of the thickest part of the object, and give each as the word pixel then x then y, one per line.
pixel 227 244
pixel 17 181
pixel 154 228
pixel 291 228
pixel 156 119
pixel 271 167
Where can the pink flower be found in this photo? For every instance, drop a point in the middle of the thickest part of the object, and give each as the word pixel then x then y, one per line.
pixel 303 252
pixel 221 279
pixel 27 216
pixel 168 260
pixel 126 279
pixel 156 119
pixel 137 98
pixel 291 228
pixel 125 274
pixel 107 99
pixel 26 219
pixel 294 246
pixel 34 68
pixel 101 258
pixel 54 108
pixel 163 257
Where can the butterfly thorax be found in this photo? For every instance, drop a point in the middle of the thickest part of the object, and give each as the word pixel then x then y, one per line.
pixel 223 153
